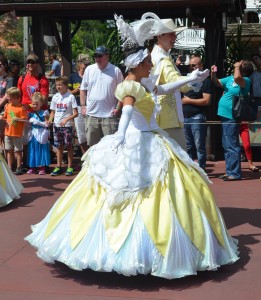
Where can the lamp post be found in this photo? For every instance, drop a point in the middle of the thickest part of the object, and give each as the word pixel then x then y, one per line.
pixel 25 38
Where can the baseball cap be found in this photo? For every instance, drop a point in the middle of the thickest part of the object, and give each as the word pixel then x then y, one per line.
pixel 84 58
pixel 101 50
pixel 33 57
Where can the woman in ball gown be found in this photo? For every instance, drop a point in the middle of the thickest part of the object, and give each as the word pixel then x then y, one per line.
pixel 139 205
pixel 10 187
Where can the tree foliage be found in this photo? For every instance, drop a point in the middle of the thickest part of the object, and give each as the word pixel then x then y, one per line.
pixel 237 48
pixel 94 33
pixel 11 34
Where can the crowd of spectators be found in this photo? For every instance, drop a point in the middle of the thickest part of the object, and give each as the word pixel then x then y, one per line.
pixel 90 90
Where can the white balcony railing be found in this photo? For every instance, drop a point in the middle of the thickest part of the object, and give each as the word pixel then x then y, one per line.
pixel 190 39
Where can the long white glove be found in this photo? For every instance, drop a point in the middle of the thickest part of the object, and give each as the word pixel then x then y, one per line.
pixel 168 88
pixel 119 136
pixel 36 122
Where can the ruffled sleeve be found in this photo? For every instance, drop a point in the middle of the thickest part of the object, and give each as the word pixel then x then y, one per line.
pixel 46 113
pixel 130 88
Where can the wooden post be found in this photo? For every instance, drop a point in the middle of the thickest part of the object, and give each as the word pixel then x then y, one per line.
pixel 215 53
pixel 66 50
pixel 38 39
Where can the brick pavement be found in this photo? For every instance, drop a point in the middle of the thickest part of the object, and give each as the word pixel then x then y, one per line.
pixel 24 276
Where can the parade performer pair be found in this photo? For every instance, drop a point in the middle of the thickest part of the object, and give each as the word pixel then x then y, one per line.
pixel 139 205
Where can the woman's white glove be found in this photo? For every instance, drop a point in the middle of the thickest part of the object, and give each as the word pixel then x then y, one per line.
pixel 169 88
pixel 119 136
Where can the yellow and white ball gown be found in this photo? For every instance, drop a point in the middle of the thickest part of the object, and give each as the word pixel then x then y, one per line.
pixel 10 187
pixel 145 208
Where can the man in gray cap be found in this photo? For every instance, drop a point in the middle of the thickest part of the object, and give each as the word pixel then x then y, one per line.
pixel 98 102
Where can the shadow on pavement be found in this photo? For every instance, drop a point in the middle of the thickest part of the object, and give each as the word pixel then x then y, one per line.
pixel 241 216
pixel 52 184
pixel 151 283
pixel 25 201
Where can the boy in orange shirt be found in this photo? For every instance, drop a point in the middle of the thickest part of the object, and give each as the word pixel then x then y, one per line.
pixel 15 116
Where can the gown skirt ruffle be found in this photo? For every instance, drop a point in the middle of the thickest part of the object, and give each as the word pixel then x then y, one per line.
pixel 143 209
pixel 10 187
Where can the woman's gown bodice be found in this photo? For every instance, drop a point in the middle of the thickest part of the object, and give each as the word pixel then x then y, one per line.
pixel 145 109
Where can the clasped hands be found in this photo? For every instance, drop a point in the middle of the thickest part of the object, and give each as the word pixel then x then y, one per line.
pixel 37 122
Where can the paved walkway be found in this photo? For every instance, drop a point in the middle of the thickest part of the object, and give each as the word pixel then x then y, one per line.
pixel 24 276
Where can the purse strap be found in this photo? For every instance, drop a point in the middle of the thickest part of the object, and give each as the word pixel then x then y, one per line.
pixel 250 93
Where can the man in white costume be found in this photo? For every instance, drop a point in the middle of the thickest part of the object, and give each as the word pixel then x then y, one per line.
pixel 171 116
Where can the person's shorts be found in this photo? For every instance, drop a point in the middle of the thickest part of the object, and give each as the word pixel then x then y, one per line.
pixel 12 142
pixel 80 127
pixel 97 128
pixel 62 136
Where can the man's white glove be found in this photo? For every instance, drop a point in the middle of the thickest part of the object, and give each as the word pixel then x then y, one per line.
pixel 119 136
pixel 198 76
pixel 169 88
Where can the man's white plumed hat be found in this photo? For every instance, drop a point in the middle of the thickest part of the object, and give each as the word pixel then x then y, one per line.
pixel 162 26
pixel 167 26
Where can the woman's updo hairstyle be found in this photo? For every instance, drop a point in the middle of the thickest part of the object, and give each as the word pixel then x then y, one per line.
pixel 132 50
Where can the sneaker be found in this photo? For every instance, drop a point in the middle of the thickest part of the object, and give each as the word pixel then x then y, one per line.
pixel 25 169
pixel 18 171
pixel 32 171
pixel 69 172
pixel 42 172
pixel 56 171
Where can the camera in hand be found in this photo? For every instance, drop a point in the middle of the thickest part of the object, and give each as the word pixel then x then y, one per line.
pixel 183 58
pixel 175 56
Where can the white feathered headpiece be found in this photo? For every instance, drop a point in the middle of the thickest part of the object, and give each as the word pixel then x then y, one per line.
pixel 135 33
pixel 134 36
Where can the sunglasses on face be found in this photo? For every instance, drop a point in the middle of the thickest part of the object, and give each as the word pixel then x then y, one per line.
pixel 98 55
pixel 86 64
pixel 31 62
pixel 193 65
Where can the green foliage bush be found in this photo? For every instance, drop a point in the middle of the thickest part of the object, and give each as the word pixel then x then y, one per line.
pixel 95 33
pixel 13 34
